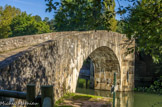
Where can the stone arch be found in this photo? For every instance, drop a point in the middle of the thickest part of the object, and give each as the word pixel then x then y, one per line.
pixel 105 65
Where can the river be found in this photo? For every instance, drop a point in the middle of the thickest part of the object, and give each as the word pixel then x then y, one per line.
pixel 128 99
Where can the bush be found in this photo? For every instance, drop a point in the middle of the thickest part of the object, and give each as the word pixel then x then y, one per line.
pixel 156 87
pixel 82 83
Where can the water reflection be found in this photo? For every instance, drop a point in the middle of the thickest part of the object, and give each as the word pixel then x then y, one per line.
pixel 128 99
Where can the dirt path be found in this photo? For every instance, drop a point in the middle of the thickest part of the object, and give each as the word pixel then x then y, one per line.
pixel 83 100
pixel 78 103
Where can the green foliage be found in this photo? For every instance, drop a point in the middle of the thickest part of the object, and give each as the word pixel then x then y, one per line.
pixel 84 97
pixel 42 27
pixel 120 26
pixel 50 23
pixel 83 14
pixel 6 15
pixel 46 19
pixel 13 22
pixel 154 88
pixel 82 83
pixel 144 23
pixel 24 24
pixel 38 18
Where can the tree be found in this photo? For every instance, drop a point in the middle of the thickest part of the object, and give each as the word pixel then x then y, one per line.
pixel 24 24
pixel 46 19
pixel 6 15
pixel 144 23
pixel 42 27
pixel 50 23
pixel 120 25
pixel 38 18
pixel 83 14
pixel 113 21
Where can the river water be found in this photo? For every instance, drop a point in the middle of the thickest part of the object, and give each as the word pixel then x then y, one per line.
pixel 128 99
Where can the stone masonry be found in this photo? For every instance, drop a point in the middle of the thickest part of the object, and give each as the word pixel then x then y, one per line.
pixel 56 59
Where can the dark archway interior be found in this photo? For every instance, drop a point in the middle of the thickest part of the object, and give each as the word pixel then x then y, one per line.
pixel 98 70
pixel 86 75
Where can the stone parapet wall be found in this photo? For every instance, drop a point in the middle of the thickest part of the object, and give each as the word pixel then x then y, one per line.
pixel 28 40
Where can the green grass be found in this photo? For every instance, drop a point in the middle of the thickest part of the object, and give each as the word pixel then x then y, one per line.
pixel 77 96
pixel 61 100
pixel 85 97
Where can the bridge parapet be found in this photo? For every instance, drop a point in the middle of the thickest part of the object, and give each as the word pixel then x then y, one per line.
pixel 28 40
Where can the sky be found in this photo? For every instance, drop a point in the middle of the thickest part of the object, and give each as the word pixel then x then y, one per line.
pixel 38 7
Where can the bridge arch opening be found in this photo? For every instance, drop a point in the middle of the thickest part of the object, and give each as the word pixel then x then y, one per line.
pixel 101 66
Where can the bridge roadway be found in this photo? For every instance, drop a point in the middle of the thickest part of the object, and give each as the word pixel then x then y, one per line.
pixel 9 53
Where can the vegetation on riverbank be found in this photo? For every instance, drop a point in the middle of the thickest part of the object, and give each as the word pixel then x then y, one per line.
pixel 154 88
pixel 72 99
pixel 82 83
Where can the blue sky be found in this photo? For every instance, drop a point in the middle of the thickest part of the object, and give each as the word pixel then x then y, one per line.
pixel 37 7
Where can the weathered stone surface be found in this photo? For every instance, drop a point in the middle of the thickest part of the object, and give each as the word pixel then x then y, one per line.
pixel 23 41
pixel 58 61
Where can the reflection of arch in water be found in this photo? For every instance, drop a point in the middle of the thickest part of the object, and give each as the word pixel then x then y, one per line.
pixel 124 99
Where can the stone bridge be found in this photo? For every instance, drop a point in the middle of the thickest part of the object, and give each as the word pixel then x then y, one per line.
pixel 56 59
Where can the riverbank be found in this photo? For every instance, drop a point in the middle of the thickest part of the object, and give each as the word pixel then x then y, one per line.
pixel 83 100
